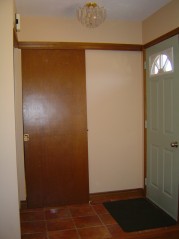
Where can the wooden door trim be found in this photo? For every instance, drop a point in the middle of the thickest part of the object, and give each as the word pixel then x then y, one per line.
pixel 145 119
pixel 162 38
pixel 79 46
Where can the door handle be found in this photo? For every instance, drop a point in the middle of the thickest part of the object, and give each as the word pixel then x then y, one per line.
pixel 174 144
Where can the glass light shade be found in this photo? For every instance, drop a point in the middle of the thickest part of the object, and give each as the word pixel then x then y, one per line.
pixel 91 15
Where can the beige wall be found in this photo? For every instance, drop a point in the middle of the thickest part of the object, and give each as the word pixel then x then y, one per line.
pixel 19 124
pixel 9 207
pixel 56 30
pixel 163 21
pixel 115 120
pixel 62 30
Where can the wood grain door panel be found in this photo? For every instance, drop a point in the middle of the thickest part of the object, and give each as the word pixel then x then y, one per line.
pixel 54 108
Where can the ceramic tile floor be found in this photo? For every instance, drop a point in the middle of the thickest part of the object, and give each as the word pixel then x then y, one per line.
pixel 84 221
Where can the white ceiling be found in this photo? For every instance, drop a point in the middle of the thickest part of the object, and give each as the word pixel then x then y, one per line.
pixel 133 10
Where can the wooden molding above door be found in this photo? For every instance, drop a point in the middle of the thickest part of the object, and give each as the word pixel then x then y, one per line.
pixel 80 46
pixel 162 38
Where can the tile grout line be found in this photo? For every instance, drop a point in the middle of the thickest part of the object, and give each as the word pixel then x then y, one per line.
pixel 101 220
pixel 34 221
pixel 74 224
pixel 45 220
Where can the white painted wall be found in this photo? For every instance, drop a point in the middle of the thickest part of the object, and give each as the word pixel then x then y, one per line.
pixel 9 207
pixel 115 120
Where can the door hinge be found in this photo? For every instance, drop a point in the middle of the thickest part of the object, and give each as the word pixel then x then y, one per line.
pixel 145 181
pixel 26 137
pixel 145 124
pixel 145 65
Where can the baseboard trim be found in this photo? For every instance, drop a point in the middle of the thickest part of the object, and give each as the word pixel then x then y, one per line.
pixel 113 195
pixel 106 196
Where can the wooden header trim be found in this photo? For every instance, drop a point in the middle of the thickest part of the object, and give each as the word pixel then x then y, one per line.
pixel 162 38
pixel 80 46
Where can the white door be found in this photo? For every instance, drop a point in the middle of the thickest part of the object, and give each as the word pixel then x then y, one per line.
pixel 163 124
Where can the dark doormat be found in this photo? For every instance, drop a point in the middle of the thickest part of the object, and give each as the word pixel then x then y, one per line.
pixel 138 214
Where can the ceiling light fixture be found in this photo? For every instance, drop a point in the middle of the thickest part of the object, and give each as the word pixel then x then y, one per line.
pixel 91 15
